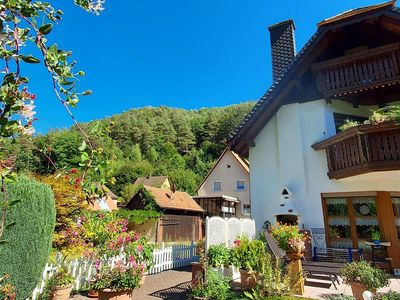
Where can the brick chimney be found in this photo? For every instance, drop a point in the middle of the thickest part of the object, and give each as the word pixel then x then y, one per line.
pixel 283 48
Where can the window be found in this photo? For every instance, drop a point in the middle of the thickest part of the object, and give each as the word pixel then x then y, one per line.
pixel 217 186
pixel 240 185
pixel 350 221
pixel 246 209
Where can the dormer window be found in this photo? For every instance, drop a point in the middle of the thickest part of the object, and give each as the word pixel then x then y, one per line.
pixel 217 186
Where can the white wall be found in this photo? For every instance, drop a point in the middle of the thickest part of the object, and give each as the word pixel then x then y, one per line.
pixel 283 157
pixel 228 178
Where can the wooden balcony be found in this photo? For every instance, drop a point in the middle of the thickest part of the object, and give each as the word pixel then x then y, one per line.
pixel 363 70
pixel 362 149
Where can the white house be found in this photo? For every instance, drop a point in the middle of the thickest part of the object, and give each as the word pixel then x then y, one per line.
pixel 225 190
pixel 345 184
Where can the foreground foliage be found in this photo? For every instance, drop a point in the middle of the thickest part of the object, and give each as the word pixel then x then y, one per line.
pixel 28 245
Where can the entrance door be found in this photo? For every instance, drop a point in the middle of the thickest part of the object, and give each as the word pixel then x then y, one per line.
pixel 287 219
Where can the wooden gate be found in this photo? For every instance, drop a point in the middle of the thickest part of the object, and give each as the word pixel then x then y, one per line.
pixel 172 228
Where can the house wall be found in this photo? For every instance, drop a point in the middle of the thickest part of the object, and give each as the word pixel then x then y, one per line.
pixel 228 178
pixel 283 157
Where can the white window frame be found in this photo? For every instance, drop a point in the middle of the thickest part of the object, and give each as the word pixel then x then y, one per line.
pixel 220 185
pixel 244 185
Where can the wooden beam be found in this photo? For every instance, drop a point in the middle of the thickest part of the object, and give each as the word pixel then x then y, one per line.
pixel 388 227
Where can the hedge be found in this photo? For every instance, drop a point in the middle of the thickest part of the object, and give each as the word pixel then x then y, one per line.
pixel 28 242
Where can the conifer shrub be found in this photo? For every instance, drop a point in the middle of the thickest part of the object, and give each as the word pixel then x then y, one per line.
pixel 27 244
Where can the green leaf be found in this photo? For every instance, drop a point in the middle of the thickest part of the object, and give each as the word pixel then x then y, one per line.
pixel 83 146
pixel 46 29
pixel 95 128
pixel 29 59
pixel 3 242
pixel 84 156
pixel 27 11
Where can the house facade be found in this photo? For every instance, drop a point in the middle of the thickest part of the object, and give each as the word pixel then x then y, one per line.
pixel 225 191
pixel 303 168
pixel 161 182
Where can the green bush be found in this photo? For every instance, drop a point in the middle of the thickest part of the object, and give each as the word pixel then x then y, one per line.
pixel 218 255
pixel 28 242
pixel 363 273
pixel 391 295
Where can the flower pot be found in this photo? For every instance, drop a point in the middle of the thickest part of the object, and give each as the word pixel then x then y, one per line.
pixel 248 280
pixel 358 290
pixel 198 298
pixel 61 292
pixel 197 273
pixel 294 255
pixel 377 242
pixel 93 294
pixel 108 294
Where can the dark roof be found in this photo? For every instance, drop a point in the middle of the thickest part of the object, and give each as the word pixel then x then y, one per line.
pixel 155 181
pixel 268 98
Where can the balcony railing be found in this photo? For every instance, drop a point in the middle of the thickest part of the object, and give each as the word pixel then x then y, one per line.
pixel 362 149
pixel 359 71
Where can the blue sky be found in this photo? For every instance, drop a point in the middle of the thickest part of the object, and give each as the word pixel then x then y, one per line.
pixel 179 53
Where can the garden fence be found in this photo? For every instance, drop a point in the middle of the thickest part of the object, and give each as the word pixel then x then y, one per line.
pixel 226 230
pixel 164 258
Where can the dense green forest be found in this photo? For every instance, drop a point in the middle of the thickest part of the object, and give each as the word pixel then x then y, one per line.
pixel 182 144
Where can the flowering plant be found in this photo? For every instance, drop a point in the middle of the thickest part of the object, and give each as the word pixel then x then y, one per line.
pixel 120 277
pixel 288 237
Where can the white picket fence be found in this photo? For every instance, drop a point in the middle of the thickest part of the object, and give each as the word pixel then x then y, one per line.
pixel 164 258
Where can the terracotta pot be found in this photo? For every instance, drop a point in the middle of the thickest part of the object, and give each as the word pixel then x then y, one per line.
pixel 93 294
pixel 108 294
pixel 198 298
pixel 294 255
pixel 358 290
pixel 248 280
pixel 197 273
pixel 61 292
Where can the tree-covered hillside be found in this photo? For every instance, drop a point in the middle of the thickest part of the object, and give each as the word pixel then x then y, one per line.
pixel 182 144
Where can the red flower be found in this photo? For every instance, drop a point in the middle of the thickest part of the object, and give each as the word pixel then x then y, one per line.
pixel 78 180
pixel 73 171
pixel 237 243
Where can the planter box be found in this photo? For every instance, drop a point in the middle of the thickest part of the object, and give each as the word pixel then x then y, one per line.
pixel 358 290
pixel 108 294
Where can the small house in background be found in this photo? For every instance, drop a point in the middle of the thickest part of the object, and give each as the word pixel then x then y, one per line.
pixel 182 216
pixel 225 190
pixel 106 203
pixel 161 182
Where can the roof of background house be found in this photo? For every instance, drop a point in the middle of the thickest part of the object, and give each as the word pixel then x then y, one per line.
pixel 155 181
pixel 242 162
pixel 268 98
pixel 178 200
pixel 107 203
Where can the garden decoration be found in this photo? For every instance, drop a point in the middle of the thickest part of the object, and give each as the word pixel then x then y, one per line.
pixel 361 276
pixel 293 242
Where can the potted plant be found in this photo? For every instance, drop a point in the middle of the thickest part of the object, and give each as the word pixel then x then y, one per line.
pixel 376 237
pixel 218 257
pixel 290 240
pixel 199 292
pixel 361 276
pixel 60 285
pixel 246 256
pixel 118 282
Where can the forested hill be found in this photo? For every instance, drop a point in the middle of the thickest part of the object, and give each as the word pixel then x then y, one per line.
pixel 182 144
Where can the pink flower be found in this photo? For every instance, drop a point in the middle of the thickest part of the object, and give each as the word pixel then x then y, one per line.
pixel 135 237
pixel 140 248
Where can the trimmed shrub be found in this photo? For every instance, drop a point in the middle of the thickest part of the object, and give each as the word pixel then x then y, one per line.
pixel 28 245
